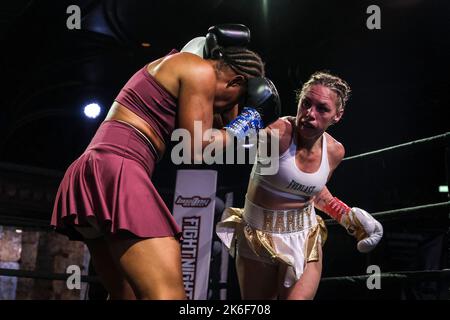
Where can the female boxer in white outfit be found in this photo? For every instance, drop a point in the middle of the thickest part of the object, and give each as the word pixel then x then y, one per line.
pixel 277 237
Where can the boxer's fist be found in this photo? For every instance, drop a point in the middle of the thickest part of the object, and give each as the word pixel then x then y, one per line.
pixel 262 95
pixel 195 46
pixel 262 107
pixel 219 36
pixel 225 35
pixel 367 231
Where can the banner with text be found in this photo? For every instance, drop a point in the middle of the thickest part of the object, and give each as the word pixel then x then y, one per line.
pixel 193 209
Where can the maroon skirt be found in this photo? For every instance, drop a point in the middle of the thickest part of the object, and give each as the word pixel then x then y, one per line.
pixel 111 181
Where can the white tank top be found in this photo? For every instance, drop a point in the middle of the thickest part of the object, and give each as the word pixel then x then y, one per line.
pixel 290 181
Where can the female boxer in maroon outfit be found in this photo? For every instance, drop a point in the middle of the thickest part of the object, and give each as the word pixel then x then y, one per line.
pixel 107 198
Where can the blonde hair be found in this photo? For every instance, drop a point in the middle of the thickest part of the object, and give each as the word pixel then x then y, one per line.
pixel 334 83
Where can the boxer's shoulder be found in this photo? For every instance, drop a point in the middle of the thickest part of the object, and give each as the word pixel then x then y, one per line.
pixel 336 150
pixel 282 129
pixel 283 125
pixel 186 64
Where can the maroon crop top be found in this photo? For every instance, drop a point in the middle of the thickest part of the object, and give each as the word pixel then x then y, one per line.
pixel 143 95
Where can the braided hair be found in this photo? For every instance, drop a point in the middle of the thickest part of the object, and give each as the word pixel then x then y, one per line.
pixel 242 61
pixel 332 82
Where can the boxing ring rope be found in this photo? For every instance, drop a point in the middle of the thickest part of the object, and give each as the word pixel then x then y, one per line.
pixel 396 275
pixel 439 138
pixel 400 276
pixel 45 275
pixel 440 277
pixel 33 224
pixel 393 214
pixel 382 215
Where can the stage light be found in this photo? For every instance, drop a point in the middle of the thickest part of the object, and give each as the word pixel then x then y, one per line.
pixel 92 110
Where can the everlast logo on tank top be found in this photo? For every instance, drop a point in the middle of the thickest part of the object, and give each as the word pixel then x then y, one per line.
pixel 300 187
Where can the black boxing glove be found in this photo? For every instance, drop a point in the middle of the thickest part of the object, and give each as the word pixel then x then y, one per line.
pixel 262 107
pixel 262 95
pixel 224 35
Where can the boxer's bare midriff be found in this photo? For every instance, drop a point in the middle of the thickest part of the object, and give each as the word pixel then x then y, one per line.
pixel 266 199
pixel 121 113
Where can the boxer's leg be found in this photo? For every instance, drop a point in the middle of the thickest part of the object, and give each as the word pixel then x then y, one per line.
pixel 257 280
pixel 152 266
pixel 306 287
pixel 110 276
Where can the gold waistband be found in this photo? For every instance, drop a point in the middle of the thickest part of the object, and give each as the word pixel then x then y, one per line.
pixel 278 221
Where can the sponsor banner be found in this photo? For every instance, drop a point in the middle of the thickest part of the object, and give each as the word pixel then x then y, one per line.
pixel 193 209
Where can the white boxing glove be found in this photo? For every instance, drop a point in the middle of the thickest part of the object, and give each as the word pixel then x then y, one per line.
pixel 363 227
pixel 360 224
pixel 195 46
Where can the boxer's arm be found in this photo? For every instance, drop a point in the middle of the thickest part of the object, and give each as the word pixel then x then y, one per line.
pixel 218 121
pixel 195 108
pixel 222 119
pixel 231 114
pixel 359 223
pixel 322 199
pixel 196 98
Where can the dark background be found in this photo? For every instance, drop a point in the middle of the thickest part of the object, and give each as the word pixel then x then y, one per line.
pixel 399 76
